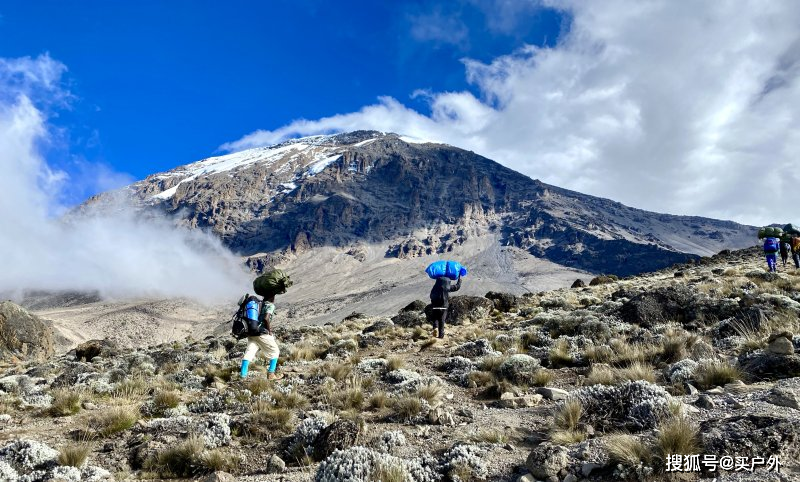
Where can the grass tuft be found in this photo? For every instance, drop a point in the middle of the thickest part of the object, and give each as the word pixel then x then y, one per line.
pixel 715 373
pixel 627 449
pixel 65 402
pixel 568 415
pixel 114 420
pixel 74 455
pixel 407 407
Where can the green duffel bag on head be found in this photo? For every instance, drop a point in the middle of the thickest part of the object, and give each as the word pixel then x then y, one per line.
pixel 273 283
pixel 790 229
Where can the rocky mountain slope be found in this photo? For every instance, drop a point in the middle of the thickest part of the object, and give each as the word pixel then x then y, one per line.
pixel 594 383
pixel 413 199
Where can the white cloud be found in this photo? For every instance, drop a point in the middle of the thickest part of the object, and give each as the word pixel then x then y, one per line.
pixel 116 254
pixel 660 105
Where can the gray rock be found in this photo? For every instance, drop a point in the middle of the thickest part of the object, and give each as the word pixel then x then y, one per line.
pixel 547 460
pixel 781 346
pixel 784 397
pixel 340 435
pixel 588 467
pixel 475 349
pixel 770 366
pixel 381 324
pixel 24 335
pixel 704 401
pixel 89 350
pixel 275 465
pixel 504 302
pixel 571 478
pixel 752 435
pixel 551 393
pixel 219 477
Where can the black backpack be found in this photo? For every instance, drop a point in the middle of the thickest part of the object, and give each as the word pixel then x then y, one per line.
pixel 241 324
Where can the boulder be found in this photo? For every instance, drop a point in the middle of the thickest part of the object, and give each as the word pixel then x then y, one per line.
pixel 219 476
pixel 578 283
pixel 519 368
pixel 275 465
pixel 781 346
pixel 603 280
pixel 409 319
pixel 417 306
pixel 87 350
pixel 660 306
pixel 504 302
pixel 465 309
pixel 340 435
pixel 770 366
pixel 547 460
pixel 784 397
pixel 381 324
pixel 23 334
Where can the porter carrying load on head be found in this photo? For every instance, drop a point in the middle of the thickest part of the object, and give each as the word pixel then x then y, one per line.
pixel 443 272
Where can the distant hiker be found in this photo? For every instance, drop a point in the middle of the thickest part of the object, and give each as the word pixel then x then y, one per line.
pixel 771 248
pixel 785 249
pixel 795 242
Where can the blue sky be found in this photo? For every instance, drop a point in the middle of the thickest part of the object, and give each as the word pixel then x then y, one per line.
pixel 660 106
pixel 155 84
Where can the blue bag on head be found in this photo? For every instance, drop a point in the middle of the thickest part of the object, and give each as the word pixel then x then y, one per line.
pixel 451 269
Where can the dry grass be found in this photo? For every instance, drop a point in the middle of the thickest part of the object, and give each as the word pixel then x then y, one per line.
pixel 559 355
pixel 389 473
pixel 407 407
pixel 428 343
pixel 114 420
pixel 752 338
pixel 135 388
pixel 599 354
pixel 181 460
pixel 568 415
pixel 306 352
pixel 166 399
pixel 65 402
pixel 716 373
pixel 259 385
pixel 492 436
pixel 567 437
pixel 627 449
pixel 394 363
pixel 674 346
pixel 542 378
pixel 378 401
pixel 264 414
pixel 601 375
pixel 348 399
pixel 291 400
pixel 677 435
pixel 637 371
pixel 74 455
pixel 337 371
pixel 431 392
pixel 491 363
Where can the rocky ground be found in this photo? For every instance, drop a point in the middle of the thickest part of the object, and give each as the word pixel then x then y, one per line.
pixel 602 382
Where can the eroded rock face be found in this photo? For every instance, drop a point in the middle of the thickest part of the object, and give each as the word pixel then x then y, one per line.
pixel 752 436
pixel 23 334
pixel 770 366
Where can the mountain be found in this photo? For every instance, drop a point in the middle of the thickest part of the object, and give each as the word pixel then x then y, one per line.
pixel 417 199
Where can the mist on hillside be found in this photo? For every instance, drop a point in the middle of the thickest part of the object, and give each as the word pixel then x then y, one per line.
pixel 116 253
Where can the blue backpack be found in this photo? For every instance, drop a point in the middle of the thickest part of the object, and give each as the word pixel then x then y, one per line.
pixel 771 245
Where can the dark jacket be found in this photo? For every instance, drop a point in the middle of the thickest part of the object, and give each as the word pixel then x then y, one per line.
pixel 440 294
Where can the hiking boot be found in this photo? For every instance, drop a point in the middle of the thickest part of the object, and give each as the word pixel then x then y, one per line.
pixel 275 376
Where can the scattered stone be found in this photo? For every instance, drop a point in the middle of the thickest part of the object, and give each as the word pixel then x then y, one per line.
pixel 603 280
pixel 381 324
pixel 551 393
pixel 578 283
pixel 504 302
pixel 527 478
pixel 275 465
pixel 635 405
pixel 475 349
pixel 704 401
pixel 341 434
pixel 547 460
pixel 784 397
pixel 410 319
pixel 88 350
pixel 770 366
pixel 416 305
pixel 781 346
pixel 588 467
pixel 519 368
pixel 466 309
pixel 571 478
pixel 219 476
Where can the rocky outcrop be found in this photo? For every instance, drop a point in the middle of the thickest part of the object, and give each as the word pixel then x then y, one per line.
pixel 23 334
pixel 464 309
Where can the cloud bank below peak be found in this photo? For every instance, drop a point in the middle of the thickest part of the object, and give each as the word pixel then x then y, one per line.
pixel 662 107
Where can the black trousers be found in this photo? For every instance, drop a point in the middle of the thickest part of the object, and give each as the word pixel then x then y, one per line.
pixel 439 319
